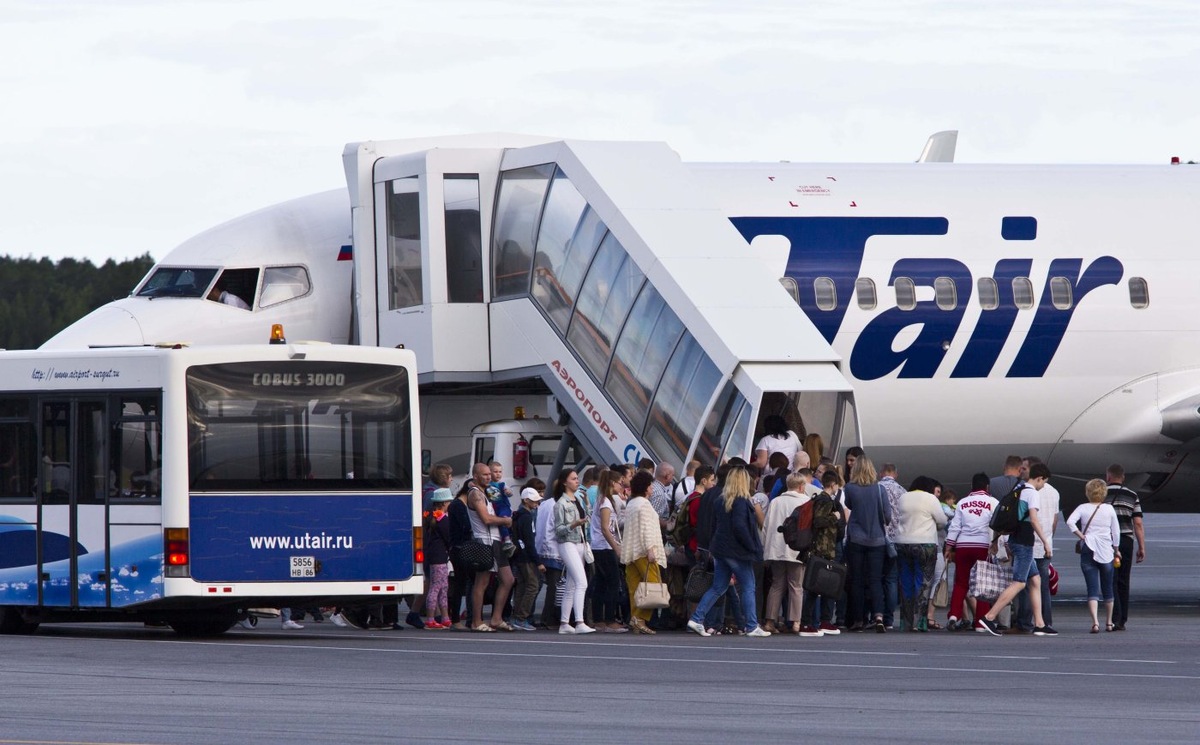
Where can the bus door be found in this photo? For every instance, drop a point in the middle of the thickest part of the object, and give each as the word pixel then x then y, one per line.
pixel 73 483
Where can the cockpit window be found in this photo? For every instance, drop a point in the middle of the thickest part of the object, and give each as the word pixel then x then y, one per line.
pixel 283 283
pixel 171 281
pixel 235 287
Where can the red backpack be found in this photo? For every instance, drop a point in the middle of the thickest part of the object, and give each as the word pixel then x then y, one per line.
pixel 797 529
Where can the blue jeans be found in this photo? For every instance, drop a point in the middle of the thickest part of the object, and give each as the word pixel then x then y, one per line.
pixel 1098 577
pixel 866 566
pixel 723 569
pixel 1025 614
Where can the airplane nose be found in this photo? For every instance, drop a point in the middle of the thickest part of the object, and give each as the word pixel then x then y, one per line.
pixel 109 326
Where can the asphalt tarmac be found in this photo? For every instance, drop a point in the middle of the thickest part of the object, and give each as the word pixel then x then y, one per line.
pixel 121 683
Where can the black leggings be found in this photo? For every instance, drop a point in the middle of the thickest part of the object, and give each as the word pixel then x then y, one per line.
pixel 607 589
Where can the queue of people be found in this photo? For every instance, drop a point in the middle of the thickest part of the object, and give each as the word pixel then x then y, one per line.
pixel 724 549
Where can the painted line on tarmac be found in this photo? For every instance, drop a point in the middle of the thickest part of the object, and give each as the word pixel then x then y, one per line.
pixel 657 659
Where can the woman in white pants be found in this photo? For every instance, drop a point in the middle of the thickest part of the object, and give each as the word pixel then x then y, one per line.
pixel 569 518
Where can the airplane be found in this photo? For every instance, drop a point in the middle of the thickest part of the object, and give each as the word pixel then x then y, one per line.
pixel 940 314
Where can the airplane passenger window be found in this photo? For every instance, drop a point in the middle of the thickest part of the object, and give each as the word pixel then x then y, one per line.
pixel 1060 293
pixel 283 283
pixel 1022 292
pixel 826 292
pixel 792 288
pixel 865 288
pixel 989 293
pixel 945 293
pixel 906 293
pixel 1139 292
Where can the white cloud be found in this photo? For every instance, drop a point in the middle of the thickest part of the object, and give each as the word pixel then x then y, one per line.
pixel 133 125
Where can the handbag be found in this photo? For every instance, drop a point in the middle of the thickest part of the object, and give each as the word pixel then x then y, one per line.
pixel 824 577
pixel 1079 544
pixel 475 555
pixel 941 591
pixel 560 589
pixel 988 580
pixel 651 595
pixel 699 579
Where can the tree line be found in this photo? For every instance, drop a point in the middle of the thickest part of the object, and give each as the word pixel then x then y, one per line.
pixel 40 297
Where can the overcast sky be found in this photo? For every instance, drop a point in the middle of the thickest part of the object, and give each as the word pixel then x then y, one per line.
pixel 128 126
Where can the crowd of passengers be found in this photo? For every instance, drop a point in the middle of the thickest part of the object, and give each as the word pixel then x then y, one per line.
pixel 586 542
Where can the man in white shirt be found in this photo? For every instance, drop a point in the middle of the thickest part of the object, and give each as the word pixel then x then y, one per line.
pixel 1048 513
pixel 685 485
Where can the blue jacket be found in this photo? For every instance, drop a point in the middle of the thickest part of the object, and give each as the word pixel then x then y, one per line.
pixel 870 510
pixel 735 534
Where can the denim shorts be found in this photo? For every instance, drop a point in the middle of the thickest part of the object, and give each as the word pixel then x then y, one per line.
pixel 1024 565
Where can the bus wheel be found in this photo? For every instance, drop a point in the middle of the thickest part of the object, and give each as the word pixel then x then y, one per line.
pixel 12 622
pixel 203 623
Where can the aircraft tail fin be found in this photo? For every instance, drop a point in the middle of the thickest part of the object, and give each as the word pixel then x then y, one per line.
pixel 939 148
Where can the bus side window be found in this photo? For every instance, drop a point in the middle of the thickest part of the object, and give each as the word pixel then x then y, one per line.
pixel 17 461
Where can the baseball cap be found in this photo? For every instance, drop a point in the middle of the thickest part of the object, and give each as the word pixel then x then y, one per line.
pixel 531 494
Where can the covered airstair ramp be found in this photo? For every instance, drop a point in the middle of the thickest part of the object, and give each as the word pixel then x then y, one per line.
pixel 601 269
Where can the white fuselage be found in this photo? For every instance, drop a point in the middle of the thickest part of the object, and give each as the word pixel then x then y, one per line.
pixel 1047 310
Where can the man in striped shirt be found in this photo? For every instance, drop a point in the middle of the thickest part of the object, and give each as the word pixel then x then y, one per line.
pixel 1129 515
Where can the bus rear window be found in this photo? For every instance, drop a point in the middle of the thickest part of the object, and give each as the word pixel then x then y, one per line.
pixel 298 426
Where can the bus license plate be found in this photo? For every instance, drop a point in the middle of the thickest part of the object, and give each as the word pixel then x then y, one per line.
pixel 304 566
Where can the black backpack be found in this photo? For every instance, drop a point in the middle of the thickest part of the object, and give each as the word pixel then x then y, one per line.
pixel 1010 511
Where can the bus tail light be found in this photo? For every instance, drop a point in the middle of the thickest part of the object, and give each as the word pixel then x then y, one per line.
pixel 418 550
pixel 175 552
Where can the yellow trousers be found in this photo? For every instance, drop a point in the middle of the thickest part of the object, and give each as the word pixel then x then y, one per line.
pixel 641 569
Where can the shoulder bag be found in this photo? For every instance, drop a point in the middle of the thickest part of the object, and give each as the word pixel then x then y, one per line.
pixel 891 547
pixel 586 550
pixel 475 555
pixel 1079 544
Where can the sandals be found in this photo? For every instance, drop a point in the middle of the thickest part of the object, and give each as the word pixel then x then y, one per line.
pixel 483 628
pixel 502 626
pixel 933 626
pixel 1095 628
pixel 1111 627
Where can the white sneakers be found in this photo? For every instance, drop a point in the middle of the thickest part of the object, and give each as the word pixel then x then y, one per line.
pixel 338 620
pixel 290 624
pixel 697 628
pixel 566 628
pixel 758 631
pixel 579 628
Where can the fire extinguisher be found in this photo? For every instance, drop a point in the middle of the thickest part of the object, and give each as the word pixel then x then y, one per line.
pixel 520 468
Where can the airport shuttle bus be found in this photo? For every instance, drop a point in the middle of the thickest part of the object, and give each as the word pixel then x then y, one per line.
pixel 187 485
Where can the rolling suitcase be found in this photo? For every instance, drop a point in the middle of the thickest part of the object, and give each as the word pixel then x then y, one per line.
pixel 825 577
